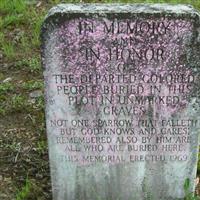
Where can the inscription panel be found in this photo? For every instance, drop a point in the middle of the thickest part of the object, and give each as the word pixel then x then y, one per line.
pixel 122 104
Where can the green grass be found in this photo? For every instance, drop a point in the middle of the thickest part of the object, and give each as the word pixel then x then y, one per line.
pixel 12 20
pixel 36 26
pixel 14 146
pixel 41 147
pixel 32 85
pixel 188 194
pixel 24 192
pixel 13 6
pixel 39 104
pixel 8 49
pixel 13 104
pixel 32 65
pixel 13 12
pixel 18 103
pixel 6 87
pixel 24 43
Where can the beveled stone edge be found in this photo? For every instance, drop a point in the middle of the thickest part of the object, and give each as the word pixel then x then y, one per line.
pixel 123 8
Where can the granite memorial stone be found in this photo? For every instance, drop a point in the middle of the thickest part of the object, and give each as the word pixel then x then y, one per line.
pixel 122 92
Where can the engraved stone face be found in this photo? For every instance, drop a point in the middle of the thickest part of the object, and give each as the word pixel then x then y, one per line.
pixel 122 100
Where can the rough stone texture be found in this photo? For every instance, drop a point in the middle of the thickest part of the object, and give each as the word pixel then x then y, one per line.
pixel 147 57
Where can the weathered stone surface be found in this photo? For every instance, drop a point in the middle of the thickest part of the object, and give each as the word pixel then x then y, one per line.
pixel 122 100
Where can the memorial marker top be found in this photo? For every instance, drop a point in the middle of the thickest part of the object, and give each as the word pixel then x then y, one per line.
pixel 122 8
pixel 62 12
